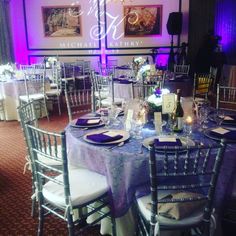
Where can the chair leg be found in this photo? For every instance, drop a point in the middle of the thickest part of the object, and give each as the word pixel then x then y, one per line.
pixel 70 224
pixel 41 220
pixel 46 109
pixel 113 221
pixel 59 105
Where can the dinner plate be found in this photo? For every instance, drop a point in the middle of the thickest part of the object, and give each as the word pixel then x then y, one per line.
pixel 87 126
pixel 211 117
pixel 184 141
pixel 124 133
pixel 216 136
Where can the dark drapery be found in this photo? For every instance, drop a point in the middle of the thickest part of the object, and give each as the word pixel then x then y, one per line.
pixel 6 51
pixel 225 26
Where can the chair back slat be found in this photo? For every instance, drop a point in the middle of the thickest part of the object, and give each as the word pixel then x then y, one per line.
pixel 78 101
pixel 202 85
pixel 191 169
pixel 181 69
pixel 226 97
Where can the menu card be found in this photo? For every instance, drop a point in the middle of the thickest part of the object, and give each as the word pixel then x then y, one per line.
pixel 168 103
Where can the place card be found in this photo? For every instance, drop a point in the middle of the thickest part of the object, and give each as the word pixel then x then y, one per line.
pixel 220 130
pixel 168 103
pixel 167 139
pixel 228 118
pixel 93 121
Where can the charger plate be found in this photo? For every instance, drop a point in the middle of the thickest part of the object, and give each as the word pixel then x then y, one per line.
pixel 73 124
pixel 216 136
pixel 184 141
pixel 125 136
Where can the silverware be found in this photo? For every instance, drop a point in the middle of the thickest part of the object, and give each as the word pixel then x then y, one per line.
pixel 117 145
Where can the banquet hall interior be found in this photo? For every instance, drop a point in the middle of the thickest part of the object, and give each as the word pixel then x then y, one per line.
pixel 118 117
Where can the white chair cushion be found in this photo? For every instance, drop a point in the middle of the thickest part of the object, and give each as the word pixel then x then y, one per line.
pixel 53 85
pixel 108 101
pixel 36 96
pixel 53 92
pixel 68 79
pixel 102 94
pixel 85 186
pixel 194 218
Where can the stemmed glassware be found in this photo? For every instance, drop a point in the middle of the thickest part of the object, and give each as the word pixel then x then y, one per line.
pixel 188 127
pixel 202 116
pixel 219 117
pixel 105 117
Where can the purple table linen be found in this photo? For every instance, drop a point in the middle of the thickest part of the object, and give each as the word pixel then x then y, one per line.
pixel 127 169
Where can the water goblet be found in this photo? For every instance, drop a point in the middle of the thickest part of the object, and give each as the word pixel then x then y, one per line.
pixel 219 117
pixel 105 118
pixel 136 129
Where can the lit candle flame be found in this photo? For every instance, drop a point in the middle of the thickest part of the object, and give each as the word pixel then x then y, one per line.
pixel 189 120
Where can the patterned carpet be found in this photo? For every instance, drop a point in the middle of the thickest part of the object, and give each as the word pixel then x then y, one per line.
pixel 15 187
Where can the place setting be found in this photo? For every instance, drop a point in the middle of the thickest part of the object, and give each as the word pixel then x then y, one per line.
pixel 91 120
pixel 110 138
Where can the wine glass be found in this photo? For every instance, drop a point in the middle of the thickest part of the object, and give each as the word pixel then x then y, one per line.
pixel 105 118
pixel 219 117
pixel 136 129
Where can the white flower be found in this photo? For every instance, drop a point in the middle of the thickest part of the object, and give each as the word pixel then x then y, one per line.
pixel 157 100
pixel 4 69
pixel 139 60
pixel 52 59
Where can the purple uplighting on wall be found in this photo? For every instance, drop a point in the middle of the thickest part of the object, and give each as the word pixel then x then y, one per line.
pixel 225 26
pixel 18 33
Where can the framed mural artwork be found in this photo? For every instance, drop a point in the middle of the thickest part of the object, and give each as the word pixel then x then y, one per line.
pixel 61 21
pixel 142 20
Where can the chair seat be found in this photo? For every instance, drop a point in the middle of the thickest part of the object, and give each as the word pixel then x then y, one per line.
pixel 36 96
pixel 81 77
pixel 53 85
pixel 53 92
pixel 193 219
pixel 102 94
pixel 108 101
pixel 85 186
pixel 68 79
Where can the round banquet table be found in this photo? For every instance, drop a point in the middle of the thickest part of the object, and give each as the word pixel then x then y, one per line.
pixel 127 170
pixel 11 90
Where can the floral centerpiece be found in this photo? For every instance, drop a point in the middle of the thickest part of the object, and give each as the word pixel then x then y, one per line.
pixel 49 61
pixel 7 70
pixel 155 100
pixel 148 73
pixel 137 63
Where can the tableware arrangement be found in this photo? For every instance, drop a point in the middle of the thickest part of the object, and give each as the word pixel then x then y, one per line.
pixel 87 123
pixel 218 133
pixel 162 141
pixel 106 137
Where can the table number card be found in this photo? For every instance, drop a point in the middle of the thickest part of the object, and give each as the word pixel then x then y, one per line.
pixel 168 103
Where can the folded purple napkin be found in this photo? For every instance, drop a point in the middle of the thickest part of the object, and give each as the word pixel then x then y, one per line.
pixel 157 143
pixel 229 122
pixel 124 67
pixel 85 122
pixel 91 115
pixel 103 138
pixel 230 135
pixel 122 81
